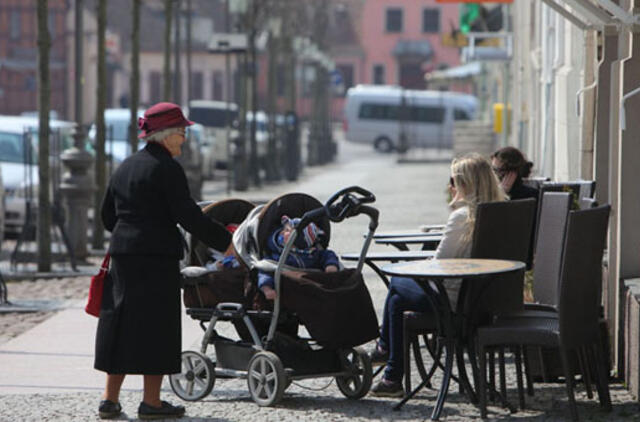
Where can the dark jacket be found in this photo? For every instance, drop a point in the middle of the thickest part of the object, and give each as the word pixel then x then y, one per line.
pixel 521 191
pixel 147 196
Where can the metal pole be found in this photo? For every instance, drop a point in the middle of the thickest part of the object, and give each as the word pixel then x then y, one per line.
pixel 227 71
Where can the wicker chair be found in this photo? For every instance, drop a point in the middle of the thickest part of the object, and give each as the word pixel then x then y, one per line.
pixel 576 329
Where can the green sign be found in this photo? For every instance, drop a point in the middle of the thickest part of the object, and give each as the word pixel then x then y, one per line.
pixel 469 12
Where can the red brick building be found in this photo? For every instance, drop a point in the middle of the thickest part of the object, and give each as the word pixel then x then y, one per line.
pixel 19 55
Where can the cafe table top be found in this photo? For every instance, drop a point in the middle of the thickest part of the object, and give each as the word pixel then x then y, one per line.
pixel 452 268
pixel 390 255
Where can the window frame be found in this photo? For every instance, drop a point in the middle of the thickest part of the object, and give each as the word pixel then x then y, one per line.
pixel 389 10
pixel 426 30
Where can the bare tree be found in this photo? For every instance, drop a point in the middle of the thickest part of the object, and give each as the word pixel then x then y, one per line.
pixel 168 15
pixel 135 76
pixel 44 97
pixel 101 100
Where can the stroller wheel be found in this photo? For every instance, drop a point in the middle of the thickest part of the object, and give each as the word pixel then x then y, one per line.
pixel 197 377
pixel 266 378
pixel 356 385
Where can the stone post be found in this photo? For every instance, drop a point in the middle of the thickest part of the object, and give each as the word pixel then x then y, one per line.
pixel 77 185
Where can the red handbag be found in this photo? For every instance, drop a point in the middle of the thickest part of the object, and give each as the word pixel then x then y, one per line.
pixel 97 286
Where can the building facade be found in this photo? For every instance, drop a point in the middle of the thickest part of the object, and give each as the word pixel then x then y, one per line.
pixel 19 56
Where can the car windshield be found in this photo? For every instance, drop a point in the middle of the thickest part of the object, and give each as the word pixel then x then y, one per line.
pixel 12 148
pixel 117 130
pixel 12 145
pixel 211 117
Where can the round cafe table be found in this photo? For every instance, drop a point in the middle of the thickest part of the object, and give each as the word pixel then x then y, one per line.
pixel 438 272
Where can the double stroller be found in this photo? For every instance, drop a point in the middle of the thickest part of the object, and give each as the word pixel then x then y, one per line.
pixel 335 308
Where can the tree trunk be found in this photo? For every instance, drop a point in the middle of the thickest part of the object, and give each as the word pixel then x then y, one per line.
pixel 101 101
pixel 189 89
pixel 44 96
pixel 135 76
pixel 177 79
pixel 168 15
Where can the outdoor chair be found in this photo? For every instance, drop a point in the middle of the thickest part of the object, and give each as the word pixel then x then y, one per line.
pixel 576 329
pixel 534 182
pixel 552 220
pixel 502 231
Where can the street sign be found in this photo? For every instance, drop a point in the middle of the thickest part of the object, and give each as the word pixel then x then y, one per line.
pixel 228 43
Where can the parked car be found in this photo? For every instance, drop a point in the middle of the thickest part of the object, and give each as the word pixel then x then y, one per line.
pixel 191 159
pixel 373 114
pixel 214 116
pixel 117 145
pixel 19 162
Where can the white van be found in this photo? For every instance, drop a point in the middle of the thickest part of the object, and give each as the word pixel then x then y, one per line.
pixel 372 114
pixel 214 116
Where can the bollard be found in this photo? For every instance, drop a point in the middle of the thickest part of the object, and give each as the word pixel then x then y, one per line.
pixel 77 188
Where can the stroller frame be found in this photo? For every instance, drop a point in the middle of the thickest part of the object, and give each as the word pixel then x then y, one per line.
pixel 266 376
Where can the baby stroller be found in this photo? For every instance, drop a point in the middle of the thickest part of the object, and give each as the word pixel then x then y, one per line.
pixel 335 308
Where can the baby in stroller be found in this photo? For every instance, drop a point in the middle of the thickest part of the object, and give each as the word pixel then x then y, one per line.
pixel 307 253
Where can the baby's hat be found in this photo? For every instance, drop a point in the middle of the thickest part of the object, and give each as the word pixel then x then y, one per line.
pixel 311 234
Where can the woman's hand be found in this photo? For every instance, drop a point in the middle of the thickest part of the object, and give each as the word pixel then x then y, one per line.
pixel 508 180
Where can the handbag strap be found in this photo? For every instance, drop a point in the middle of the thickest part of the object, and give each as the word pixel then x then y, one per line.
pixel 105 262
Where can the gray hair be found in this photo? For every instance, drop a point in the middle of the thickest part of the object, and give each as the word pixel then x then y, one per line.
pixel 160 135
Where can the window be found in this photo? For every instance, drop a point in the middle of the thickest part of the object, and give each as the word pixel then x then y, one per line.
pixel 431 20
pixel 378 74
pixel 346 70
pixel 280 80
pixel 394 20
pixel 216 85
pixel 378 111
pixel 51 23
pixel 426 114
pixel 197 90
pixel 154 87
pixel 459 114
pixel 14 25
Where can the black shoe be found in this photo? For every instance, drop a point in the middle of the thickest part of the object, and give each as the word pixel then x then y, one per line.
pixel 109 409
pixel 166 411
pixel 379 356
pixel 387 389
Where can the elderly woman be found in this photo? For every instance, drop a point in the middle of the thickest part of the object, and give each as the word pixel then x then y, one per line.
pixel 139 328
pixel 473 182
pixel 511 167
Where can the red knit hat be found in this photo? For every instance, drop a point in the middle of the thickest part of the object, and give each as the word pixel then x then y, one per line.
pixel 161 116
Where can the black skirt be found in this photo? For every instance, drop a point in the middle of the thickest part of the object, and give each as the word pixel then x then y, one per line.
pixel 139 330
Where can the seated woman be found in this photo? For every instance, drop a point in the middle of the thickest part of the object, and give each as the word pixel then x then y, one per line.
pixel 511 167
pixel 473 182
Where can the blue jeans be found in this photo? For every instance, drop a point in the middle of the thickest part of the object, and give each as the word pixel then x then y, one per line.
pixel 404 295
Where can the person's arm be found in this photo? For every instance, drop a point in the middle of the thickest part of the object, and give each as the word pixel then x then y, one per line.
pixel 330 262
pixel 453 237
pixel 266 284
pixel 108 211
pixel 188 214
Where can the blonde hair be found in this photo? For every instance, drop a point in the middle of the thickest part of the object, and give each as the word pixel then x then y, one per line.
pixel 476 181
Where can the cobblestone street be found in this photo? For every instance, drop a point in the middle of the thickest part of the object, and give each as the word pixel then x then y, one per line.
pixel 408 195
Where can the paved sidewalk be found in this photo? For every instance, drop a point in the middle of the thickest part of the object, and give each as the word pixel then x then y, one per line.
pixel 46 373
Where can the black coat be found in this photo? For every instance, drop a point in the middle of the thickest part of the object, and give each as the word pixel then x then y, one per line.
pixel 139 329
pixel 147 196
